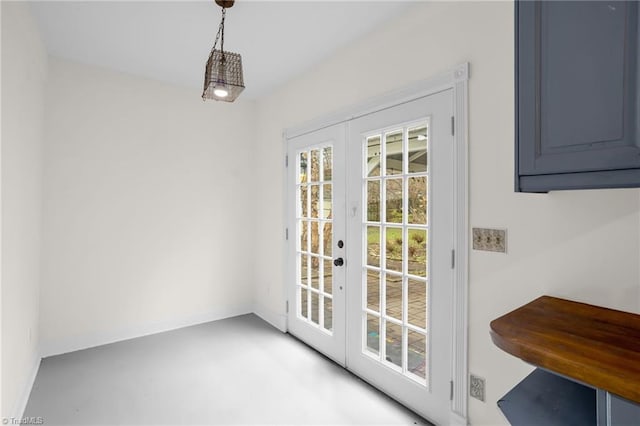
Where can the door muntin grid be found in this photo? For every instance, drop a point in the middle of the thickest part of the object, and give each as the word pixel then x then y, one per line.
pixel 396 257
pixel 314 236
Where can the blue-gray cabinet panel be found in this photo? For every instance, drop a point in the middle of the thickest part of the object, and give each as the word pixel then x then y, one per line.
pixel 577 100
pixel 623 412
pixel 544 398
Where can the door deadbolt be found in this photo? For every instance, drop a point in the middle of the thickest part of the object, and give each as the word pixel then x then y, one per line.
pixel 340 244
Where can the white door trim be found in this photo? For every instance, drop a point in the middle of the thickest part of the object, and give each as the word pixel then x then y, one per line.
pixel 456 79
pixel 460 323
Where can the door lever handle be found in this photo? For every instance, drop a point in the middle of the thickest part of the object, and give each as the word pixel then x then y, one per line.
pixel 339 261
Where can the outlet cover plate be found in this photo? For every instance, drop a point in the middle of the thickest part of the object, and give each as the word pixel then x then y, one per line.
pixel 486 239
pixel 477 387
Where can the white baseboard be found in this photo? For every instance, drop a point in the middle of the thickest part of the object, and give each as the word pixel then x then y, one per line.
pixel 456 419
pixel 277 320
pixel 61 346
pixel 21 403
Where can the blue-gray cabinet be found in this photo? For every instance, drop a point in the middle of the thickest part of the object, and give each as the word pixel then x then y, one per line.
pixel 545 398
pixel 577 103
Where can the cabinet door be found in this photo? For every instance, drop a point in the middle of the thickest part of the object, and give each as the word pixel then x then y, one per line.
pixel 577 104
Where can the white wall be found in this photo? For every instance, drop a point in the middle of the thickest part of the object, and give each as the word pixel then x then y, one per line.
pixel 581 245
pixel 148 214
pixel 23 81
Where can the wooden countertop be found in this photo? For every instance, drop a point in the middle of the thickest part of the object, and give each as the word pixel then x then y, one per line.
pixel 591 344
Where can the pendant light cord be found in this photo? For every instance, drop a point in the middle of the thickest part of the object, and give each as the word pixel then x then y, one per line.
pixel 224 14
pixel 220 35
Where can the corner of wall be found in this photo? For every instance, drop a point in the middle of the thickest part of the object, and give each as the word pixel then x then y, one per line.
pixel 277 320
pixel 24 70
pixel 23 397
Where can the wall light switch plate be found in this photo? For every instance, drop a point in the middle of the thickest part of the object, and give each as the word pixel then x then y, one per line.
pixel 490 240
pixel 477 387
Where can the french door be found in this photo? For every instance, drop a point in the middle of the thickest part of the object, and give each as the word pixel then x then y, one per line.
pixel 371 202
pixel 316 215
pixel 400 235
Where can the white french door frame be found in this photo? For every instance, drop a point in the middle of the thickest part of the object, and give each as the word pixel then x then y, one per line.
pixel 457 80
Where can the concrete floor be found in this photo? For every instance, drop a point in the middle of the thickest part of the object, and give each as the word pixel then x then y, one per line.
pixel 234 371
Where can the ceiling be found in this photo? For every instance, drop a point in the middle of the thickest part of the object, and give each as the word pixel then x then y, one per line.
pixel 171 40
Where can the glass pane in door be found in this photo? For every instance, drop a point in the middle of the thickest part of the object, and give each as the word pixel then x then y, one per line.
pixel 314 219
pixel 396 256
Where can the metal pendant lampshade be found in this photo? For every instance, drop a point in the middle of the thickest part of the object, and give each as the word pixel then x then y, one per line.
pixel 223 73
pixel 223 80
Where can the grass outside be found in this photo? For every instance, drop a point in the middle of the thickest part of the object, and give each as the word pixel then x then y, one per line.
pixel 417 248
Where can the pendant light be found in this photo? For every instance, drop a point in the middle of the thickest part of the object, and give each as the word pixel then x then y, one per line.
pixel 223 74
